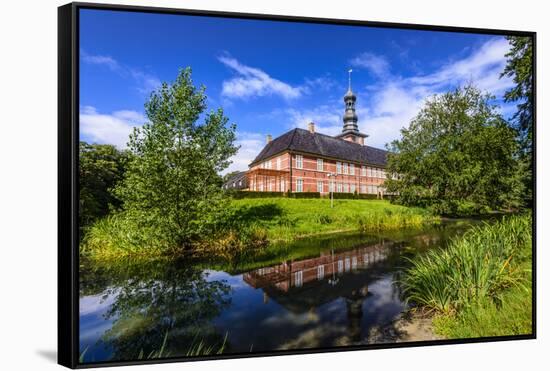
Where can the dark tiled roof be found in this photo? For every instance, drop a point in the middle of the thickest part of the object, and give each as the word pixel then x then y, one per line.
pixel 320 144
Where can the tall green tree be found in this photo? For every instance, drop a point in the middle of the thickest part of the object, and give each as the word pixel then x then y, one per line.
pixel 172 185
pixel 519 66
pixel 458 150
pixel 101 166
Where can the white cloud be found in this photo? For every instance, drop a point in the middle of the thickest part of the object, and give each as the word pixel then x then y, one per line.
pixel 111 128
pixel 398 99
pixel 376 64
pixel 100 60
pixel 252 82
pixel 482 67
pixel 146 82
pixel 327 118
pixel 250 145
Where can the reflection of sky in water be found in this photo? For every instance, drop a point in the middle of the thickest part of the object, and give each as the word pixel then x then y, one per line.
pixel 277 308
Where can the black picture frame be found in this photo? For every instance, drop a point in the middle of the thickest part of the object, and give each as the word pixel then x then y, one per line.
pixel 68 139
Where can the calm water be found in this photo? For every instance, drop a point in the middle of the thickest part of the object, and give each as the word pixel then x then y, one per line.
pixel 333 295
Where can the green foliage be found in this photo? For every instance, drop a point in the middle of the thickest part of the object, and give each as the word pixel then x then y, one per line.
pixel 172 188
pixel 511 316
pixel 101 166
pixel 285 219
pixel 475 268
pixel 519 66
pixel 305 195
pixel 457 149
pixel 255 194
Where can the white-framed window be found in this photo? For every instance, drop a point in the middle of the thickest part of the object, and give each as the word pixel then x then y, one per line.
pixel 282 185
pixel 338 167
pixel 351 169
pixel 339 188
pixel 320 272
pixel 240 183
pixel 371 189
pixel 298 279
pixel 352 188
pixel 299 162
pixel 299 185
pixel 354 262
pixel 319 164
pixel 369 172
pixel 378 173
pixel 261 187
pixel 347 265
pixel 278 163
pixel 345 168
pixel 331 186
pixel 346 187
pixel 270 186
pixel 320 186
pixel 340 266
pixel 363 171
pixel 363 188
pixel 382 174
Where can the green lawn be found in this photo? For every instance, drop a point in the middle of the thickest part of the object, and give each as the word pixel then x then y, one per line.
pixel 287 218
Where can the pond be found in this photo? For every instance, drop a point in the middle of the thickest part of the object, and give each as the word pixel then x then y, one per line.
pixel 317 292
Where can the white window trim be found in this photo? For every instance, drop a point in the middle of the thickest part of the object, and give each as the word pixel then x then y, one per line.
pixel 351 169
pixel 299 162
pixel 299 185
pixel 320 164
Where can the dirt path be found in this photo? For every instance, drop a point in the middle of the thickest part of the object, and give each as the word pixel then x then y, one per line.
pixel 408 327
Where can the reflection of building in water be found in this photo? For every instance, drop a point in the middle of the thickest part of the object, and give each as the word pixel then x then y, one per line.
pixel 327 267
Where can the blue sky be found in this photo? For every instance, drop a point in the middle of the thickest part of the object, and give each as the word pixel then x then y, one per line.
pixel 272 76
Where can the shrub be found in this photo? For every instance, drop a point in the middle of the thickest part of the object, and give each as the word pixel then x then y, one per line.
pixel 255 194
pixel 477 266
pixel 305 195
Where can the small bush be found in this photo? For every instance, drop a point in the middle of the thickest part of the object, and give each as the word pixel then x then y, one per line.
pixel 477 266
pixel 255 194
pixel 305 195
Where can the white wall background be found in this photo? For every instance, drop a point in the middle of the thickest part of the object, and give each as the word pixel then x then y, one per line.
pixel 28 155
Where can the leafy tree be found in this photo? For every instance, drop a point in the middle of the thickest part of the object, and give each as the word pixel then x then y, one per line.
pixel 172 187
pixel 101 166
pixel 519 65
pixel 457 151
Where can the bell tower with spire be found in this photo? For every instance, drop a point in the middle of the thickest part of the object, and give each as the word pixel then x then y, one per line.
pixel 350 131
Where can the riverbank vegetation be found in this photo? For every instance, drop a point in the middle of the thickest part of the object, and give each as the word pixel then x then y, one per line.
pixel 252 224
pixel 480 285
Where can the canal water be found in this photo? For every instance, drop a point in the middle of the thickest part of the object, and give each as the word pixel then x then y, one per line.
pixel 316 293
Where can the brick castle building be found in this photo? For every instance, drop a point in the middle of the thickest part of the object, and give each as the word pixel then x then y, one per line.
pixel 306 161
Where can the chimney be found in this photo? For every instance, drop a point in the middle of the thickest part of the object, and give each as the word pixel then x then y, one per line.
pixel 311 127
pixel 268 138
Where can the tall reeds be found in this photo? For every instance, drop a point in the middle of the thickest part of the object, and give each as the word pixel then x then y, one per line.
pixel 477 266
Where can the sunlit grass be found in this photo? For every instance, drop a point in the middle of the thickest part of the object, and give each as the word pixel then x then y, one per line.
pixel 479 277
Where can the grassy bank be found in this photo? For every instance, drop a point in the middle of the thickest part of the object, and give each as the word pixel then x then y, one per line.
pixel 286 219
pixel 480 285
pixel 253 224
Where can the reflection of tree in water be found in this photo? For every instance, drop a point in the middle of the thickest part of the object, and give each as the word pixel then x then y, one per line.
pixel 354 304
pixel 177 301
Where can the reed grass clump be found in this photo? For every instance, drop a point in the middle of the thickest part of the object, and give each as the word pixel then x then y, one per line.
pixel 478 266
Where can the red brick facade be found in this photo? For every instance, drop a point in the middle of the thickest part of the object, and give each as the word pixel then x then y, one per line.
pixel 310 173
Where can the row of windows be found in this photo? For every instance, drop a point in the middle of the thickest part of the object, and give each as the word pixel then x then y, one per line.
pixel 341 167
pixel 340 187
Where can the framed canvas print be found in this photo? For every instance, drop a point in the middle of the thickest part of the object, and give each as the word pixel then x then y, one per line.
pixel 236 185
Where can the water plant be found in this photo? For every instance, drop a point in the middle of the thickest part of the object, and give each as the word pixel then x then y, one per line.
pixel 475 268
